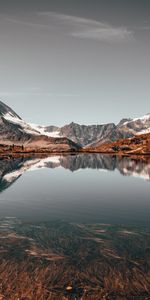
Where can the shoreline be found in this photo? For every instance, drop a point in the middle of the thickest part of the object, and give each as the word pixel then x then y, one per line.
pixel 14 154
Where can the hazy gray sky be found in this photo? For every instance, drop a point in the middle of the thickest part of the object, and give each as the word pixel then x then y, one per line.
pixel 86 61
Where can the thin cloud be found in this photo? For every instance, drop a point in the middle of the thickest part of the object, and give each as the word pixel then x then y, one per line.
pixel 27 23
pixel 89 29
pixel 76 27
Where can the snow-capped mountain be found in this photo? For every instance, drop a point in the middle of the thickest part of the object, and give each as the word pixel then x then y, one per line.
pixel 4 109
pixel 14 130
pixel 8 118
pixel 9 115
pixel 126 128
pixel 85 135
pixel 82 134
pixel 138 125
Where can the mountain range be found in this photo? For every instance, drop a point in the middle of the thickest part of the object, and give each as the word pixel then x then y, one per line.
pixel 85 135
pixel 71 137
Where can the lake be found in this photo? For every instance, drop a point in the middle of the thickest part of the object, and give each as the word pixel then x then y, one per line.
pixel 85 216
pixel 76 188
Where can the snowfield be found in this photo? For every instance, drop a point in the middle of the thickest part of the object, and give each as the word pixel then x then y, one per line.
pixel 30 128
pixel 42 130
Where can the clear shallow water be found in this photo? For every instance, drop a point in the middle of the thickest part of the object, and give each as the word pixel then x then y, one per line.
pixel 85 188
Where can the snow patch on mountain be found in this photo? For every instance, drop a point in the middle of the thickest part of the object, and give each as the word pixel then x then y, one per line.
pixel 30 127
pixel 143 119
pixel 10 117
pixel 42 130
pixel 25 127
pixel 144 131
pixel 137 126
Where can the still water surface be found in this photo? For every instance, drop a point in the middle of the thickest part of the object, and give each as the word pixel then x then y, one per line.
pixel 85 188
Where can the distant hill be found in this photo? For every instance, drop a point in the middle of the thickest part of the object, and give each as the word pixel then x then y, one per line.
pixel 139 144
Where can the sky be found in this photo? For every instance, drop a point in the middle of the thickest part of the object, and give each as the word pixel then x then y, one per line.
pixel 86 61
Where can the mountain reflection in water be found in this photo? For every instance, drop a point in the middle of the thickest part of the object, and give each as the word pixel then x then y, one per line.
pixel 12 168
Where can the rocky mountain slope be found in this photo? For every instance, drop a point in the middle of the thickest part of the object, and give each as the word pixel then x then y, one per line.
pixel 126 128
pixel 86 134
pixel 96 135
pixel 13 130
pixel 81 134
pixel 139 144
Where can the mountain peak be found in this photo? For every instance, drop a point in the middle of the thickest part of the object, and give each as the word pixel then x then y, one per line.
pixel 123 121
pixel 6 110
pixel 73 124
